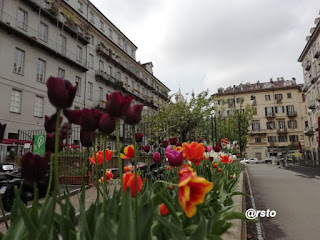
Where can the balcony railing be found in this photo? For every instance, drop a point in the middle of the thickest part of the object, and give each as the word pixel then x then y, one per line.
pixel 292 114
pixel 311 104
pixel 279 100
pixel 308 66
pixel 131 71
pixel 11 24
pixel 270 115
pixel 317 54
pixel 282 130
pixel 257 132
pixel 51 12
pixel 308 131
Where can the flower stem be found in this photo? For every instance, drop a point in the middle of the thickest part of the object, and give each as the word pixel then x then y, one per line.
pixel 135 155
pixel 118 150
pixel 96 167
pixel 104 172
pixel 4 215
pixel 50 179
pixel 56 151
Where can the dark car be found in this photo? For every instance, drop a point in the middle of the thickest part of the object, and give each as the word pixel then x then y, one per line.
pixel 268 160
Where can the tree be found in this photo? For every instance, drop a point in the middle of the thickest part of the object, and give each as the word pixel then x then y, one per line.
pixel 187 119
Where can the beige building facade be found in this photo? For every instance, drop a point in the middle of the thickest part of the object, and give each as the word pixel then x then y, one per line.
pixel 74 40
pixel 310 61
pixel 280 115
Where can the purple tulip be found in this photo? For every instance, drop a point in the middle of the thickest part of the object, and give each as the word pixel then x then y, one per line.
pixel 156 157
pixel 2 129
pixel 34 166
pixel 216 149
pixel 61 93
pixel 63 132
pixel 86 137
pixel 178 144
pixel 133 116
pixel 175 158
pixel 107 124
pixel 117 104
pixel 138 137
pixel 50 123
pixel 173 141
pixel 73 116
pixel 90 119
pixel 169 148
pixel 164 143
pixel 146 148
pixel 199 140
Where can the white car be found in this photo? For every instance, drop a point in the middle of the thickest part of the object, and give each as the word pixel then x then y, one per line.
pixel 250 160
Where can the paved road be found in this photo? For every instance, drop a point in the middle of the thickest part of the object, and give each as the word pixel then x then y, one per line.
pixel 295 198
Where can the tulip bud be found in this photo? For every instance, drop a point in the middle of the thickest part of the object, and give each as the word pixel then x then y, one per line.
pixel 178 144
pixel 50 123
pixel 117 104
pixel 164 143
pixel 156 157
pixel 138 137
pixel 50 142
pixel 219 169
pixel 33 166
pixel 133 116
pixel 146 148
pixel 64 132
pixel 163 209
pixel 173 141
pixel 73 116
pixel 61 93
pixel 107 124
pixel 86 137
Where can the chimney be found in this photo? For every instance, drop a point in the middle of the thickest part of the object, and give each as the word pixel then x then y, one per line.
pixel 271 80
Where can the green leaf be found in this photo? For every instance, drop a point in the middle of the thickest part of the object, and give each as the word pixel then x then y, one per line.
pixel 213 237
pixel 220 227
pixel 126 230
pixel 16 231
pixel 236 215
pixel 176 232
pixel 102 231
pixel 201 231
pixel 240 193
pixel 47 213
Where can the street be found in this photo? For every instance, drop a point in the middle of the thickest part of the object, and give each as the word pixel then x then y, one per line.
pixel 294 197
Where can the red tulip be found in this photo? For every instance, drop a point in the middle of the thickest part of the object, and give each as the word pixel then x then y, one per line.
pixel 74 116
pixel 133 115
pixel 50 123
pixel 163 209
pixel 164 143
pixel 117 104
pixel 34 166
pixel 219 169
pixel 138 137
pixel 129 181
pixel 215 165
pixel 146 148
pixel 173 141
pixel 216 149
pixel 107 124
pixel 61 93
pixel 86 137
pixel 156 157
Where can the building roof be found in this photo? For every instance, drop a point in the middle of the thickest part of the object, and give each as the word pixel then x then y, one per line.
pixel 312 38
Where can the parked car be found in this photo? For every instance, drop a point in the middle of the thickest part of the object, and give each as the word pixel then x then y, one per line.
pixel 250 160
pixel 268 160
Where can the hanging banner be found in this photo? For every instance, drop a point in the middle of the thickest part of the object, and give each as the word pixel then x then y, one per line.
pixel 39 144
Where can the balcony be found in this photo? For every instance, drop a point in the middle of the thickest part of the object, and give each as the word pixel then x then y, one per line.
pixel 51 13
pixel 281 130
pixel 292 114
pixel 308 131
pixel 257 132
pixel 10 24
pixel 279 100
pixel 270 115
pixel 272 144
pixel 313 80
pixel 311 104
pixel 317 54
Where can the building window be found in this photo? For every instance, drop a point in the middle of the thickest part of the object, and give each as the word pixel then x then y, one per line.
pixel 90 90
pixel 41 70
pixel 38 107
pixel 119 41
pixel 239 100
pixel 257 140
pixel 18 61
pixel 92 40
pixel 118 76
pixel 229 112
pixel 80 6
pixel 220 102
pixel 15 105
pixel 79 54
pixel 255 126
pixel 272 139
pixel 91 17
pixel 270 125
pixel 78 80
pixel 91 61
pixel 125 47
pixel 110 33
pixel 132 53
pixel 110 71
pixel 61 72
pixel 101 66
pixel 100 94
pixel 282 138
pixel 269 111
pixel 292 124
pixel 293 138
pixel 22 19
pixel 230 101
pixel 282 124
pixel 267 97
pixel 278 96
pixel 279 109
pixel 63 42
pixel 290 108
pixel 289 95
pixel 101 25
pixel 43 32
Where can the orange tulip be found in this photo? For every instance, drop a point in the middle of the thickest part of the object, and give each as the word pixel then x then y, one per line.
pixel 109 176
pixel 226 158
pixel 219 169
pixel 163 209
pixel 231 176
pixel 170 187
pixel 215 165
pixel 100 157
pixel 192 190
pixel 194 151
pixel 128 152
pixel 129 181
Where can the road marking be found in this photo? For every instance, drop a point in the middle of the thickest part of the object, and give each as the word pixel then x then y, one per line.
pixel 258 224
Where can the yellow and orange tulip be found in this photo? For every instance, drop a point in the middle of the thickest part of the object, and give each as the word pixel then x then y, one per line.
pixel 128 152
pixel 194 151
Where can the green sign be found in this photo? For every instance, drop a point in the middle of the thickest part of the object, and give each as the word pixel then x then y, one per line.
pixel 39 144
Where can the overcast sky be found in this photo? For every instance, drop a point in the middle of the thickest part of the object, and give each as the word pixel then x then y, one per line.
pixel 215 43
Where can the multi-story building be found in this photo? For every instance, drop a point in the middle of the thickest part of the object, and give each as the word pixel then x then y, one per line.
pixel 71 39
pixel 279 118
pixel 310 61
